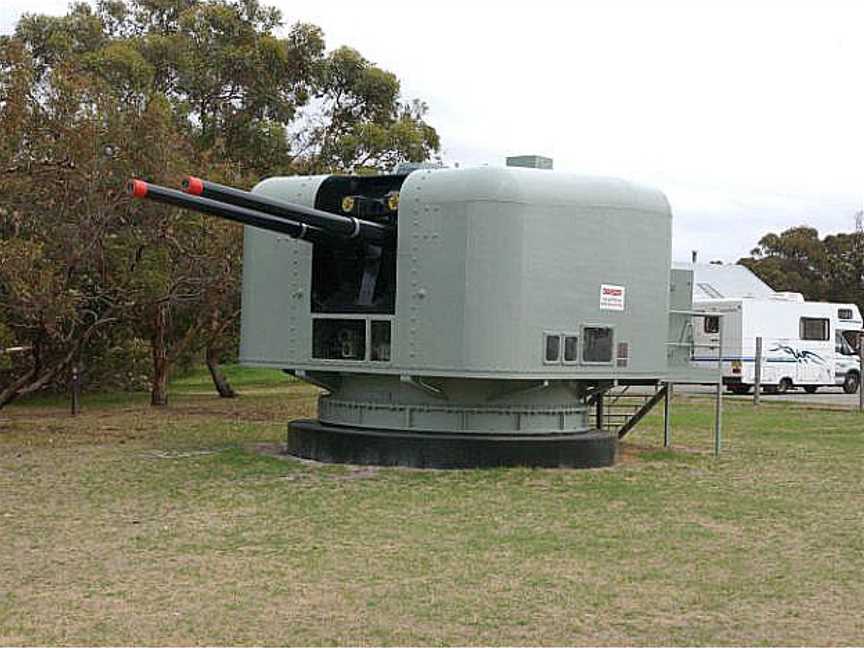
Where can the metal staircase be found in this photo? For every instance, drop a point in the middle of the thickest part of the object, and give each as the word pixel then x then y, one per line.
pixel 619 409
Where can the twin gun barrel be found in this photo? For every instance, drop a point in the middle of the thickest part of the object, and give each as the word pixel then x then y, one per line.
pixel 296 221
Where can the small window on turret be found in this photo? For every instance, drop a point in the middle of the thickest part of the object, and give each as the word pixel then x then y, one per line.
pixel 339 339
pixel 552 348
pixel 571 348
pixel 597 344
pixel 623 354
pixel 380 348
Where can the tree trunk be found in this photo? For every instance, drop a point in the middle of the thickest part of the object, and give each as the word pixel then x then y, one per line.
pixel 39 376
pixel 159 388
pixel 13 391
pixel 220 381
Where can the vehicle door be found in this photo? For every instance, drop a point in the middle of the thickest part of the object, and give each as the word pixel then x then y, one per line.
pixel 814 354
pixel 845 353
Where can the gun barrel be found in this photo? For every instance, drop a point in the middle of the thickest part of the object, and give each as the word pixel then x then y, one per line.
pixel 142 189
pixel 344 226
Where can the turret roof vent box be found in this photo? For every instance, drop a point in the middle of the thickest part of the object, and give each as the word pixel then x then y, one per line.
pixel 530 162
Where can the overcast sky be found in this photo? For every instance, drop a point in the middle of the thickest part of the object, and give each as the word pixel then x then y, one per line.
pixel 750 116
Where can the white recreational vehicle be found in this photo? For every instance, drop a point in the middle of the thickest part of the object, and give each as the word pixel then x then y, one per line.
pixel 804 344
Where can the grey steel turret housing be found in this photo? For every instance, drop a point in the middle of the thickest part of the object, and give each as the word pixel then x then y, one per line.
pixel 482 332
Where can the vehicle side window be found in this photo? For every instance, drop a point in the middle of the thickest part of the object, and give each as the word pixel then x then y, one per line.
pixel 846 343
pixel 844 313
pixel 712 324
pixel 814 328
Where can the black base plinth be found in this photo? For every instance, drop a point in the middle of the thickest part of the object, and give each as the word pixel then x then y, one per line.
pixel 310 439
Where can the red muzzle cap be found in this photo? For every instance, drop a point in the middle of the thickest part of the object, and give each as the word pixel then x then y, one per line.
pixel 193 185
pixel 137 188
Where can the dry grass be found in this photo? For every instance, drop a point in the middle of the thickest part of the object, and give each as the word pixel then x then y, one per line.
pixel 132 526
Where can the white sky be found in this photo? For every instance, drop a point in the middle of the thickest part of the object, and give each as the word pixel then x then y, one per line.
pixel 749 115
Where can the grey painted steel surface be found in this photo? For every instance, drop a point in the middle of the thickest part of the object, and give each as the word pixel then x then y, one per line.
pixel 489 261
pixel 680 338
pixel 462 405
pixel 277 274
pixel 530 162
pixel 681 322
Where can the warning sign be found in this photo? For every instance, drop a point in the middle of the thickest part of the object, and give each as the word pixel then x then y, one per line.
pixel 611 297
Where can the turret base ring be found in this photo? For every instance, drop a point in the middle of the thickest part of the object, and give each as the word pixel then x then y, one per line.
pixel 310 439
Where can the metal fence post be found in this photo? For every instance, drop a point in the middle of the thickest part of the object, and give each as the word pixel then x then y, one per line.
pixel 757 377
pixel 599 412
pixel 76 389
pixel 718 413
pixel 667 438
pixel 860 371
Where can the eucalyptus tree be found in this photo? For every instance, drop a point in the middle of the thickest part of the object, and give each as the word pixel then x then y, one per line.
pixel 156 89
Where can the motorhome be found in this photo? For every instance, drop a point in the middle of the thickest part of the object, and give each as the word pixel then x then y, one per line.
pixel 805 344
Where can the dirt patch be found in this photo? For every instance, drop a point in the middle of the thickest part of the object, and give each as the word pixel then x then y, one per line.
pixel 352 471
pixel 273 450
pixel 176 454
pixel 630 452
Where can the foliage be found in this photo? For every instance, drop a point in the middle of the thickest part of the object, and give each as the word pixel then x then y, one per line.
pixel 155 89
pixel 61 203
pixel 357 122
pixel 122 362
pixel 827 269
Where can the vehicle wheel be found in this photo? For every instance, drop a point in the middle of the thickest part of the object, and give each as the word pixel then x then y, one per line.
pixel 850 385
pixel 740 390
pixel 784 386
pixel 811 389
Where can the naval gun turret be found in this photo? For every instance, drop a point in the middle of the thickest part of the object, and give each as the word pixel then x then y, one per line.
pixel 453 317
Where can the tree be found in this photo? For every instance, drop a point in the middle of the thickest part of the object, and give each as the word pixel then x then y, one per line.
pixel 797 260
pixel 155 89
pixel 794 260
pixel 845 270
pixel 62 279
pixel 358 123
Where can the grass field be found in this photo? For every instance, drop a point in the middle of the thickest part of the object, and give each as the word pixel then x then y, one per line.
pixel 132 526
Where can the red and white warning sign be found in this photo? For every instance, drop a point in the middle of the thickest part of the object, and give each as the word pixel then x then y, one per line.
pixel 611 297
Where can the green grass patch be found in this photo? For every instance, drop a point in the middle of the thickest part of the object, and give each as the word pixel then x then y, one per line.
pixel 195 381
pixel 129 525
pixel 198 378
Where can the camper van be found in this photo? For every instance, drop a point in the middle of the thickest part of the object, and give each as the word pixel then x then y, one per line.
pixel 805 345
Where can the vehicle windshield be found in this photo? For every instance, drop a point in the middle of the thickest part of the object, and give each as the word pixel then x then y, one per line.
pixel 846 342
